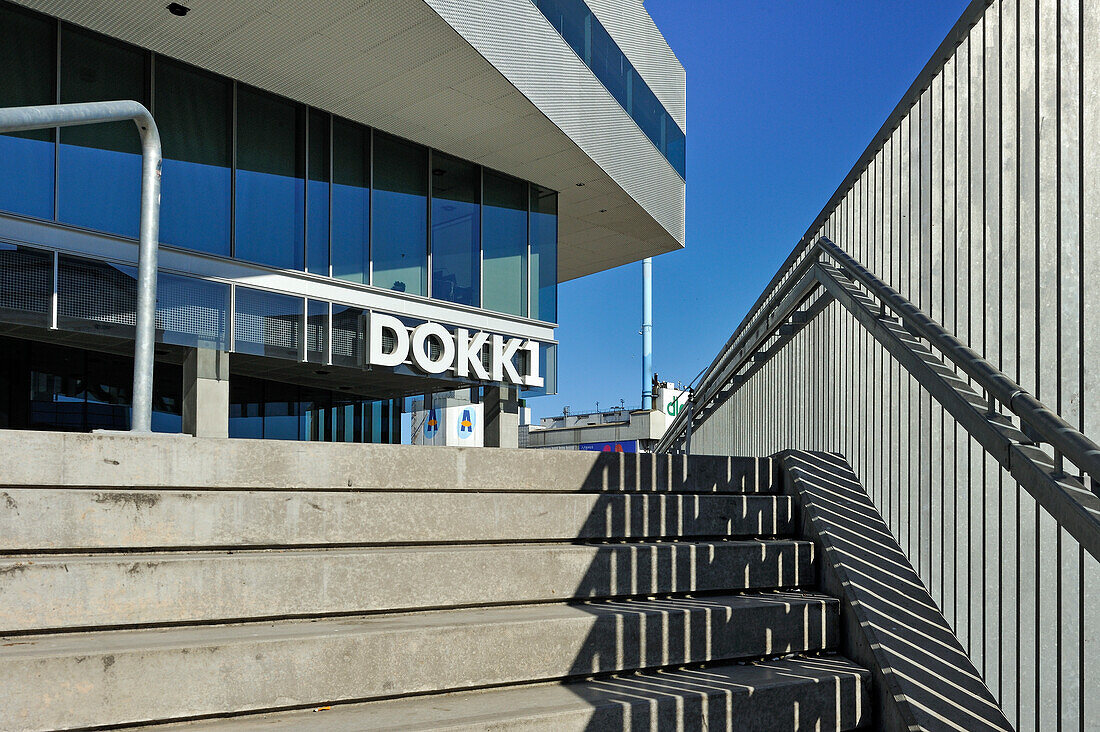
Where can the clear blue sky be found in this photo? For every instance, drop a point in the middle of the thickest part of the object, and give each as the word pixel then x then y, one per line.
pixel 783 96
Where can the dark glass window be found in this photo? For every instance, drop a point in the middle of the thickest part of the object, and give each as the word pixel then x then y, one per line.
pixel 350 201
pixel 544 254
pixel 505 244
pixel 399 226
pixel 317 194
pixel 100 168
pixel 28 58
pixel 193 113
pixel 270 180
pixel 610 65
pixel 456 230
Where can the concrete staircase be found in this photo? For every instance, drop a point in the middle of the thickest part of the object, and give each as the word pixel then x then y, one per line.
pixel 206 584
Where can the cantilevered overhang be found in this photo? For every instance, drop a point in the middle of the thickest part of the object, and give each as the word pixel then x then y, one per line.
pixel 486 80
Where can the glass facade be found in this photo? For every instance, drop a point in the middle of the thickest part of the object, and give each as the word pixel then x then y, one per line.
pixel 505 246
pixel 544 254
pixel 255 176
pixel 27 158
pixel 584 33
pixel 270 410
pixel 399 237
pixel 456 230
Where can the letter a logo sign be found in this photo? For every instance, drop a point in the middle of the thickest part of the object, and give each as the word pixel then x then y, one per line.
pixel 431 425
pixel 466 424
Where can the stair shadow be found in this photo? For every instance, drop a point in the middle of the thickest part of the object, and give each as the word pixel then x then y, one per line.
pixel 893 625
pixel 641 628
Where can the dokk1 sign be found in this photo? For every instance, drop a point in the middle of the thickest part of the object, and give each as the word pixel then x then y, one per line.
pixel 459 353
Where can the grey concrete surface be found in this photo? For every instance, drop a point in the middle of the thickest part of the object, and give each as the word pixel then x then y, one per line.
pixel 77 518
pixel 145 675
pixel 790 694
pixel 29 458
pixel 73 591
pixel 206 393
pixel 923 678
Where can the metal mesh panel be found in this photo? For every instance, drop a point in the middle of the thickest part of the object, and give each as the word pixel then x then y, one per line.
pixel 96 291
pixel 348 335
pixel 26 277
pixel 316 331
pixel 267 324
pixel 192 312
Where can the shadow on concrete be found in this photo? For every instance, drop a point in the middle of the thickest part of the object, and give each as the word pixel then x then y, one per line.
pixel 923 679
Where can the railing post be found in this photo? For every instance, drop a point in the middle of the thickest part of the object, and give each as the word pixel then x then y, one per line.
pixel 16 119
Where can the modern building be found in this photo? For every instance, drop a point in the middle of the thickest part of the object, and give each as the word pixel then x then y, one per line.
pixel 361 202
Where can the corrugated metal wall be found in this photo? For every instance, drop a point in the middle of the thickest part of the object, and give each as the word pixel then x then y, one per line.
pixel 980 202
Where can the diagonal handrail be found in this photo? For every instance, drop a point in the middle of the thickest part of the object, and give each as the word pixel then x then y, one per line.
pixel 18 119
pixel 974 406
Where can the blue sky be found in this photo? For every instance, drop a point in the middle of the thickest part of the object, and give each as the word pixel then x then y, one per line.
pixel 783 97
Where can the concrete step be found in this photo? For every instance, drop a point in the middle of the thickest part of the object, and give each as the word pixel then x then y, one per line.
pixel 72 680
pixel 794 693
pixel 58 459
pixel 55 591
pixel 50 519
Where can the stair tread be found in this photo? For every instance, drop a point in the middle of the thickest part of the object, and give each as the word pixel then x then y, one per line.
pixel 572 705
pixel 308 552
pixel 100 642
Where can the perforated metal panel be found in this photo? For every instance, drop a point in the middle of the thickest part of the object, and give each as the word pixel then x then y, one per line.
pixel 26 279
pixel 267 324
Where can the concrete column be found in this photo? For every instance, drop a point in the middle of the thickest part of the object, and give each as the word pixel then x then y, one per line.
pixel 206 393
pixel 501 417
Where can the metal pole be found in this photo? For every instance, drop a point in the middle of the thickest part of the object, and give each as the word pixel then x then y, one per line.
pixel 647 333
pixel 15 119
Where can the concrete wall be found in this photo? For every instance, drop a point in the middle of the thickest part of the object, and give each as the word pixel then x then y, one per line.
pixel 978 201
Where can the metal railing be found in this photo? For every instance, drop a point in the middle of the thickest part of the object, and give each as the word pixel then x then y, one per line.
pixel 18 119
pixel 902 329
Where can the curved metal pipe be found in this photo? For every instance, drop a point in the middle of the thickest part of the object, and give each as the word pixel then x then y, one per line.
pixel 16 119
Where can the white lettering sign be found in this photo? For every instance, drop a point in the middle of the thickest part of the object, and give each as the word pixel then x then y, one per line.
pixel 458 352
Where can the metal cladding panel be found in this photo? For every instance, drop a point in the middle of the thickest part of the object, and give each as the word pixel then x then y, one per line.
pixel 490 82
pixel 630 26
pixel 976 201
pixel 518 41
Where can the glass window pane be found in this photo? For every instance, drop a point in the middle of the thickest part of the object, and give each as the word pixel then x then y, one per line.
pixel 100 170
pixel 270 182
pixel 317 195
pixel 456 230
pixel 26 158
pixel 96 296
pixel 399 227
pixel 192 110
pixel 505 244
pixel 267 324
pixel 246 403
pixel 544 254
pixel 350 201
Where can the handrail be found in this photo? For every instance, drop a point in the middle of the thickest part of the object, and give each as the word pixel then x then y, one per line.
pixel 17 119
pixel 1049 426
pixel 1067 499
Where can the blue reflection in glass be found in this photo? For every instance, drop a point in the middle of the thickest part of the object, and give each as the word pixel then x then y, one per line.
pixel 26 176
pixel 270 214
pixel 544 254
pixel 504 246
pixel 317 194
pixel 456 230
pixel 351 201
pixel 399 226
pixel 188 189
pixel 100 189
pixel 584 33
